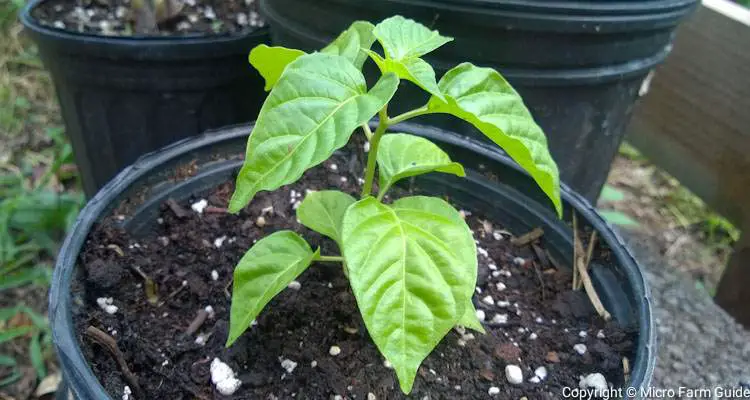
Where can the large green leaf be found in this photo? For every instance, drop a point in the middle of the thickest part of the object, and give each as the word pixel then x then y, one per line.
pixel 353 43
pixel 262 273
pixel 401 156
pixel 404 41
pixel 482 97
pixel 324 212
pixel 412 268
pixel 312 111
pixel 271 61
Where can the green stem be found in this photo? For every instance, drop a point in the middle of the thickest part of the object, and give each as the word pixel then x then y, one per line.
pixel 372 156
pixel 382 192
pixel 409 115
pixel 329 258
pixel 368 132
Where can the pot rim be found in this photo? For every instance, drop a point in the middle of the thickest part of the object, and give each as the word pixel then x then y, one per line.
pixel 528 76
pixel 195 45
pixel 65 338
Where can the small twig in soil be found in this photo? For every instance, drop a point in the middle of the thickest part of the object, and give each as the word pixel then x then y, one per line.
pixel 226 288
pixel 581 267
pixel 110 344
pixel 173 294
pixel 198 321
pixel 590 250
pixel 116 249
pixel 215 210
pixel 177 209
pixel 541 280
pixel 528 237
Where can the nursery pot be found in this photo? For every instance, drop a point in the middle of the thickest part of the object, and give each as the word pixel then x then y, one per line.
pixel 579 65
pixel 138 191
pixel 122 97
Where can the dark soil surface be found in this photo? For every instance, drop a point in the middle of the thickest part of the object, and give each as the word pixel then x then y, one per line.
pixel 544 318
pixel 174 17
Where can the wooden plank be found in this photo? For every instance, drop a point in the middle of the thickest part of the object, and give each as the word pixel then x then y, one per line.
pixel 733 294
pixel 695 119
pixel 695 123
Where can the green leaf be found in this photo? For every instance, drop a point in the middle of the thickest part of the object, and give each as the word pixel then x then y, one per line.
pixel 412 268
pixel 13 375
pixel 401 156
pixel 482 97
pixel 324 212
pixel 37 275
pixel 36 356
pixel 404 38
pixel 618 218
pixel 271 61
pixel 8 312
pixel 353 42
pixel 7 361
pixel 404 41
pixel 611 194
pixel 469 318
pixel 414 70
pixel 262 273
pixel 312 111
pixel 12 333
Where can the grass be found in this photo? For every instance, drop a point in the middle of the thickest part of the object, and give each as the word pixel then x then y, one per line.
pixel 650 202
pixel 39 199
pixel 687 208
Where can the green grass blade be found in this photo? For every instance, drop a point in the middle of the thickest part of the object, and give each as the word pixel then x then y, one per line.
pixel 12 333
pixel 36 356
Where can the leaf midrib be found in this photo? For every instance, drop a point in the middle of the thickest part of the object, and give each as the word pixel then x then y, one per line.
pixel 305 137
pixel 247 320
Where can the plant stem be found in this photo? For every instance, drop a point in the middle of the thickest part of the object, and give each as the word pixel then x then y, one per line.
pixel 372 156
pixel 329 258
pixel 368 132
pixel 382 192
pixel 409 115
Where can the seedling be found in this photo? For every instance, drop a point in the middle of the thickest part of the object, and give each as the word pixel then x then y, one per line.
pixel 412 264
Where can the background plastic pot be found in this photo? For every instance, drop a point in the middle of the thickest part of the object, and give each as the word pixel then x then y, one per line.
pixel 515 201
pixel 122 97
pixel 579 65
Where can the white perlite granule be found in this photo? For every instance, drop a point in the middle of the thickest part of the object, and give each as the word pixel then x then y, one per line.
pixel 223 378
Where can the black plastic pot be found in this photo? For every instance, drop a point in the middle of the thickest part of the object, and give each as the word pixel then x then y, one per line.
pixel 516 201
pixel 578 64
pixel 122 97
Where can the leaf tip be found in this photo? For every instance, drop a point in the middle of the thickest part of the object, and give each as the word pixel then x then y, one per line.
pixel 406 379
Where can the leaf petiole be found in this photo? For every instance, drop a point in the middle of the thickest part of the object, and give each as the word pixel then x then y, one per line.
pixel 329 258
pixel 367 131
pixel 409 115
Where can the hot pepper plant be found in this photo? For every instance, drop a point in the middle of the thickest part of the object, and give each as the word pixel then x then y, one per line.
pixel 412 263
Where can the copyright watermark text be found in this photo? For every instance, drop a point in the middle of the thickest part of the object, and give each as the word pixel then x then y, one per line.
pixel 718 392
